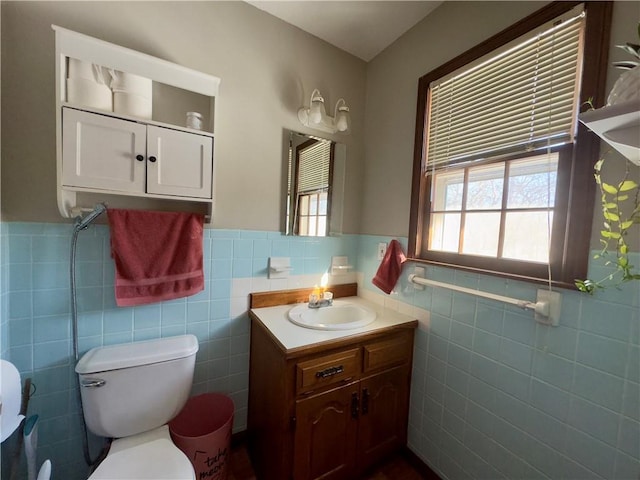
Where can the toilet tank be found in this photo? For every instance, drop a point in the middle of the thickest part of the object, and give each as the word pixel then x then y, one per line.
pixel 131 388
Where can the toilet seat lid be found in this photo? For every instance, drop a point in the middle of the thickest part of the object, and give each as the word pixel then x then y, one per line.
pixel 157 459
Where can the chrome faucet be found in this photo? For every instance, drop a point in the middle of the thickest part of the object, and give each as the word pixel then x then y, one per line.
pixel 316 302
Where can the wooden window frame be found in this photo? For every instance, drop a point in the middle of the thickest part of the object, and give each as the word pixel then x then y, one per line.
pixel 570 251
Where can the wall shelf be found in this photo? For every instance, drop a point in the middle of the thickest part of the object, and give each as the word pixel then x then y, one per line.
pixel 619 126
pixel 123 116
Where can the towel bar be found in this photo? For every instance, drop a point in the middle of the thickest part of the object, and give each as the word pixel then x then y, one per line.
pixel 546 308
pixel 75 211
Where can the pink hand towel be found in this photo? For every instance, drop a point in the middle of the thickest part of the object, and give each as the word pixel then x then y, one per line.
pixel 158 255
pixel 390 268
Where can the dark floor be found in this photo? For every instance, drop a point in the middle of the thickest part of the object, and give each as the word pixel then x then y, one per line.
pixel 396 468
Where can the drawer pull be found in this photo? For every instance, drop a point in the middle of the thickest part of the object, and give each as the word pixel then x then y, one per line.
pixel 329 372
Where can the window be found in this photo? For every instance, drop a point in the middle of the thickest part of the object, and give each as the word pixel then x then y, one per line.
pixel 503 178
pixel 510 200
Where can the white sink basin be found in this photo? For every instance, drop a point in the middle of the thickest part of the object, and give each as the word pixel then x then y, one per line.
pixel 342 315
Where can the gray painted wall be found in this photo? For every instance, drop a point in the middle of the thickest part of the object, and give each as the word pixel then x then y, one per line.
pixel 268 70
pixel 392 83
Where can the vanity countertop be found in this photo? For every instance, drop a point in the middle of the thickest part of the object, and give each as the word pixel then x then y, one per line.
pixel 292 337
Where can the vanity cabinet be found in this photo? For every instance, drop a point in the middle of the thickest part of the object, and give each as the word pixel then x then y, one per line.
pixel 329 410
pixel 111 154
pixel 345 430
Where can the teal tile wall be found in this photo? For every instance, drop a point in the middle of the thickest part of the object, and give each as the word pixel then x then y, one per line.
pixel 495 395
pixel 36 320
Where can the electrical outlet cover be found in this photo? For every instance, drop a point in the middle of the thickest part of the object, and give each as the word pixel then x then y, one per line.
pixel 382 248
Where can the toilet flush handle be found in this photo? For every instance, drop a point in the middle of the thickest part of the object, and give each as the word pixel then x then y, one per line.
pixel 92 382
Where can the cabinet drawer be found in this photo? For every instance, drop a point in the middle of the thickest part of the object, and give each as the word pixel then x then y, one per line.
pixel 386 353
pixel 327 370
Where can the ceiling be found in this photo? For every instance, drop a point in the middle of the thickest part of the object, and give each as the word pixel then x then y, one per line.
pixel 363 28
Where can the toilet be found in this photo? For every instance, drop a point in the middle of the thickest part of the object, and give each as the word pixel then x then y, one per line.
pixel 130 392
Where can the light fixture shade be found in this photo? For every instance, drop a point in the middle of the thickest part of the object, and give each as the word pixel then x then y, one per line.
pixel 343 120
pixel 316 110
pixel 316 116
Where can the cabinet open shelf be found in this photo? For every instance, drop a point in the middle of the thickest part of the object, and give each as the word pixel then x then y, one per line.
pixel 136 119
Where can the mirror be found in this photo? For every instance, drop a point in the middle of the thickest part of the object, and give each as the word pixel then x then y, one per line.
pixel 315 185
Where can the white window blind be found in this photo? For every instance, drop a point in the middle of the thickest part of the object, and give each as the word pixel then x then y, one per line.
pixel 314 165
pixel 524 98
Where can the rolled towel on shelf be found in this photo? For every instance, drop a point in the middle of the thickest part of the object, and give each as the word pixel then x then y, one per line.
pixel 87 86
pixel 132 94
pixel 132 104
pixel 81 91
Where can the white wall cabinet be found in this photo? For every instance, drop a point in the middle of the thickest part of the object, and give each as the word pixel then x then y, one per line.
pixel 115 155
pixel 106 153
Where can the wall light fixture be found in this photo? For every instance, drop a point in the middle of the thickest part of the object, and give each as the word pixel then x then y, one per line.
pixel 316 117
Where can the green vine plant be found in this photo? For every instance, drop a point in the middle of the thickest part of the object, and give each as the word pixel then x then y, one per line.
pixel 621 211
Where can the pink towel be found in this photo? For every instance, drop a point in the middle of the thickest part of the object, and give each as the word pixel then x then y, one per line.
pixel 158 255
pixel 390 268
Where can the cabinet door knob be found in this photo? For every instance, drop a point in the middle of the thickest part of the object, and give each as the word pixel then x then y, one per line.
pixel 139 158
pixel 152 159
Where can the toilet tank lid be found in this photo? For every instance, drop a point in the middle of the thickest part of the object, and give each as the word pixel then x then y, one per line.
pixel 114 357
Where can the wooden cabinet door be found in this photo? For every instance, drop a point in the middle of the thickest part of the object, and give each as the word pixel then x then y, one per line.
pixel 99 152
pixel 383 414
pixel 179 163
pixel 326 435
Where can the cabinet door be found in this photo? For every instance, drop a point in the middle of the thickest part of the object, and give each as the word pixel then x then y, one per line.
pixel 183 163
pixel 326 435
pixel 100 152
pixel 384 411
